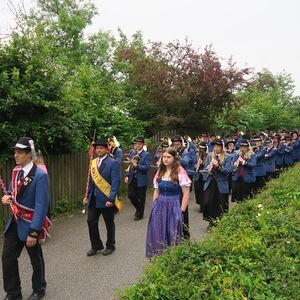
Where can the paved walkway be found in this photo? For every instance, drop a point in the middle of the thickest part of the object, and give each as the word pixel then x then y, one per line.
pixel 70 274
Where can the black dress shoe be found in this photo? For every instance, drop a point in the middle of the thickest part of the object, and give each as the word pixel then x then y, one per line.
pixel 13 297
pixel 93 252
pixel 108 251
pixel 36 296
pixel 137 218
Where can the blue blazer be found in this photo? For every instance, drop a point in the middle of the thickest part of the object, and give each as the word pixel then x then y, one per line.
pixel 269 160
pixel 142 168
pixel 260 167
pixel 288 156
pixel 296 152
pixel 221 175
pixel 248 169
pixel 109 170
pixel 279 156
pixel 187 161
pixel 34 195
pixel 192 150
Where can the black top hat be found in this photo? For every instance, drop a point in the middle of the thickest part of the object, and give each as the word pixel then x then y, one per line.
pixel 268 140
pixel 230 141
pixel 219 142
pixel 101 142
pixel 139 139
pixel 256 138
pixel 177 138
pixel 288 137
pixel 244 142
pixel 23 143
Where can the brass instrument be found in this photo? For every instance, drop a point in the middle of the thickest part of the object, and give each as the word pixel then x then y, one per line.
pixel 135 160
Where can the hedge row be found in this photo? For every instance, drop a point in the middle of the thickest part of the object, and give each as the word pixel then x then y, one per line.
pixel 253 253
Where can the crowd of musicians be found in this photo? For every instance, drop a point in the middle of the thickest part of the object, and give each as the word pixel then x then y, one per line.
pixel 214 168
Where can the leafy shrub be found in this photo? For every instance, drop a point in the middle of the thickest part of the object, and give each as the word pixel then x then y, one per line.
pixel 253 253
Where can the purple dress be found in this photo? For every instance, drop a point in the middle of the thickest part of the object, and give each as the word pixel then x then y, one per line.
pixel 165 222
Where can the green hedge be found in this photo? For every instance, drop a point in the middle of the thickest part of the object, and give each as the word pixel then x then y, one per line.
pixel 252 254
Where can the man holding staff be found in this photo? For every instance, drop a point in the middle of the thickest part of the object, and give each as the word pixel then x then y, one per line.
pixel 28 197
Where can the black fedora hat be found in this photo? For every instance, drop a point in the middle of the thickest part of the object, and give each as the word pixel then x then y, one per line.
pixel 203 145
pixel 244 142
pixel 139 139
pixel 178 138
pixel 101 142
pixel 219 142
pixel 23 143
pixel 256 138
pixel 230 141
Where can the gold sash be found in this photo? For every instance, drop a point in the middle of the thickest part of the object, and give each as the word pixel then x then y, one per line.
pixel 103 185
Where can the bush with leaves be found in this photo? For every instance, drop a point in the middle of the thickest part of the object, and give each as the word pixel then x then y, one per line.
pixel 253 253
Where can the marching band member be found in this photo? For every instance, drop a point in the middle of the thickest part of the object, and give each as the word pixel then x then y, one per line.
pixel 29 223
pixel 198 177
pixel 188 164
pixel 230 150
pixel 260 171
pixel 280 150
pixel 269 159
pixel 289 149
pixel 137 177
pixel 103 187
pixel 216 189
pixel 165 143
pixel 115 151
pixel 296 146
pixel 244 172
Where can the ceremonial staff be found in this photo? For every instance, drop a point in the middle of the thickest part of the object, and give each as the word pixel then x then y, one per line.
pixel 91 155
pixel 13 207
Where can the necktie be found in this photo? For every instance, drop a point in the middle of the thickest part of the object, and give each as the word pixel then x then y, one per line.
pixel 20 175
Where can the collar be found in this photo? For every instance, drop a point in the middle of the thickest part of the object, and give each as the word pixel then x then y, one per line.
pixel 100 160
pixel 139 152
pixel 27 168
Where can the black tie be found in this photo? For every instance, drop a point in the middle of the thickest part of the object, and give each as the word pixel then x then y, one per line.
pixel 20 175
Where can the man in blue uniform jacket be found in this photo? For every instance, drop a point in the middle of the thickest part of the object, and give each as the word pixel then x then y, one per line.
pixel 29 201
pixel 187 162
pixel 102 192
pixel 137 177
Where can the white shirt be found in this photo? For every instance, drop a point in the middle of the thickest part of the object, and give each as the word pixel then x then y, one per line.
pixel 27 169
pixel 100 160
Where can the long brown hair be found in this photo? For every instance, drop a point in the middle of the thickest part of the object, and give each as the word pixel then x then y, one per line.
pixel 175 167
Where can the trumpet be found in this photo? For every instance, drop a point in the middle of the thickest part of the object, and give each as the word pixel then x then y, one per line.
pixel 133 163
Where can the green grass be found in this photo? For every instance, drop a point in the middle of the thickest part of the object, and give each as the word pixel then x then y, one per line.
pixel 253 253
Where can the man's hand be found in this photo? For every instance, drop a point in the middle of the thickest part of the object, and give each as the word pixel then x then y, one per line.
pixel 126 179
pixel 109 204
pixel 31 242
pixel 6 199
pixel 84 200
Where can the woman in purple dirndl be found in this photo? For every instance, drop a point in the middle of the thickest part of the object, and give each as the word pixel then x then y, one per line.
pixel 171 184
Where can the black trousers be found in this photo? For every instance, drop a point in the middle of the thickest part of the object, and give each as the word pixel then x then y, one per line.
pixel 241 190
pixel 108 214
pixel 12 249
pixel 137 196
pixel 259 183
pixel 199 192
pixel 215 204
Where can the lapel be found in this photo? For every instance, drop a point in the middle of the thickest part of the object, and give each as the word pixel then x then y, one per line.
pixel 31 174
